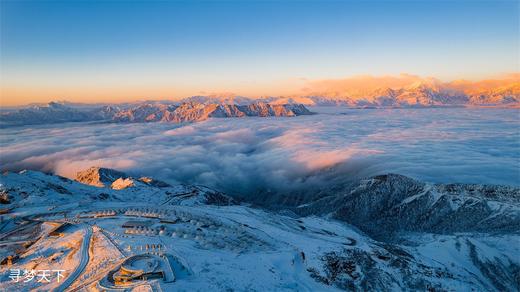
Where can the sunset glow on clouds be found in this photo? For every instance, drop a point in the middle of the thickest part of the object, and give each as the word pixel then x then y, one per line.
pixel 360 86
pixel 124 51
pixel 253 154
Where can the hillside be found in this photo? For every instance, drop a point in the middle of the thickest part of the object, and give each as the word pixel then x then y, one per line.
pixel 383 233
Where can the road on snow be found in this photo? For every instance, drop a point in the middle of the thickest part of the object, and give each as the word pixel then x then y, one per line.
pixel 82 263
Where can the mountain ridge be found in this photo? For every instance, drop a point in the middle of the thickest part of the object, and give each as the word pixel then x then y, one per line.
pixel 148 112
pixel 420 93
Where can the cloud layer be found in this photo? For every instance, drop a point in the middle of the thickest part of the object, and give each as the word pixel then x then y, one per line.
pixel 365 85
pixel 249 155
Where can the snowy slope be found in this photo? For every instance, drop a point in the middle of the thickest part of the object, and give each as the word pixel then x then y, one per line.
pixel 219 244
pixel 393 203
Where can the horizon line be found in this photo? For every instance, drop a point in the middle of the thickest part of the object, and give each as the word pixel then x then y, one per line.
pixel 404 80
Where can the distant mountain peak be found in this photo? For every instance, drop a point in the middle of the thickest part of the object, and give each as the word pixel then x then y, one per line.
pixel 55 104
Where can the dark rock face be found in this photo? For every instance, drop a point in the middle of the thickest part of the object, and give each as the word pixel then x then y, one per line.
pixel 352 269
pixel 505 276
pixel 58 188
pixel 392 207
pixel 391 203
pixel 5 198
pixel 212 197
pixel 153 182
pixel 199 195
pixel 468 220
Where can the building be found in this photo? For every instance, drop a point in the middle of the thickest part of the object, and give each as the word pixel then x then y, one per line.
pixel 137 224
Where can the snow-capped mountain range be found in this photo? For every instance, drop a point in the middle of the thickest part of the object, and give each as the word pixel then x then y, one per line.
pixel 147 112
pixel 382 233
pixel 423 93
pixel 403 91
pixel 196 111
pixel 411 90
pixel 420 94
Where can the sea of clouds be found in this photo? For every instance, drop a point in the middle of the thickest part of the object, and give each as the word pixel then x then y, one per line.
pixel 248 155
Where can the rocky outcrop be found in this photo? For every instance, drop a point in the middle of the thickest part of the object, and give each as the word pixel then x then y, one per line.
pixel 96 183
pixel 199 195
pixel 122 183
pixel 99 176
pixel 153 182
pixel 5 198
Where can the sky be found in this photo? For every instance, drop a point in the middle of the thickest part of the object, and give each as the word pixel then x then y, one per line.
pixel 101 51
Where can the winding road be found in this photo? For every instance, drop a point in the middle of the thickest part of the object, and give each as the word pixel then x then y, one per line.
pixel 82 263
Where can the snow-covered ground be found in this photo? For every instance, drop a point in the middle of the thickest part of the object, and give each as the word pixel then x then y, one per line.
pixel 206 241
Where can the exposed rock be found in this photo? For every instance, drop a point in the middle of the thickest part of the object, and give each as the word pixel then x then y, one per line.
pixel 99 177
pixel 383 269
pixel 154 182
pixel 199 195
pixel 386 204
pixel 4 197
pixel 58 188
pixel 122 183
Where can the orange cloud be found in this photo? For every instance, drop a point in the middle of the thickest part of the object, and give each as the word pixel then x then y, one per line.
pixel 359 85
pixel 507 80
pixel 364 85
pixel 294 89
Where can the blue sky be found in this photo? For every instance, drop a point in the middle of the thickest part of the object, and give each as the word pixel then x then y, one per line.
pixel 184 47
